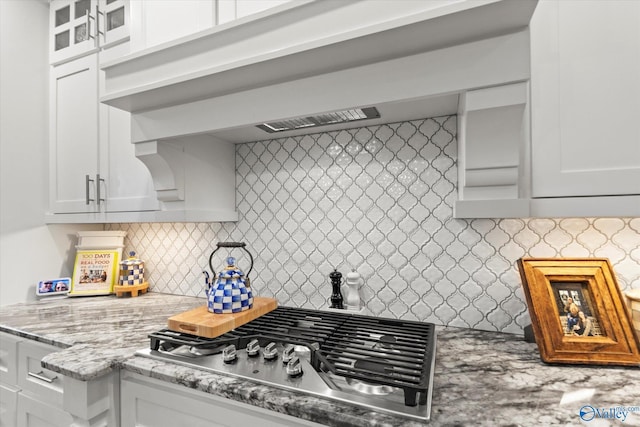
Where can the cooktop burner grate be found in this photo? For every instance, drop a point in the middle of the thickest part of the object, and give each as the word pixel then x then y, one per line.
pixel 383 352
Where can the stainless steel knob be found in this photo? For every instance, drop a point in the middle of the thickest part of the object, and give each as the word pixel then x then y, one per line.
pixel 288 353
pixel 253 348
pixel 270 352
pixel 294 367
pixel 229 354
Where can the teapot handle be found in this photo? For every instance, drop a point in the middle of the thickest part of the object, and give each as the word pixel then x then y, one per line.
pixel 230 245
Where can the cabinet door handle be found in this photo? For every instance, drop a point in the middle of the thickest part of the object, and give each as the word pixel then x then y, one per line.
pixel 40 375
pixel 98 185
pixel 98 32
pixel 87 22
pixel 86 183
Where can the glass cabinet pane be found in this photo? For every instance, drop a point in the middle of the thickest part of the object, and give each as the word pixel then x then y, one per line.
pixel 62 40
pixel 80 33
pixel 82 7
pixel 62 16
pixel 115 19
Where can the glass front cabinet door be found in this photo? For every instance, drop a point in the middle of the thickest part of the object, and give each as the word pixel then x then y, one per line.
pixel 79 27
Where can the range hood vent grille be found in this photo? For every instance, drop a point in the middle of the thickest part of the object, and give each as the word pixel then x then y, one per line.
pixel 334 118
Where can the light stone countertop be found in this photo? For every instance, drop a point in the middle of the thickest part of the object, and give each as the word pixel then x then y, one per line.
pixel 481 378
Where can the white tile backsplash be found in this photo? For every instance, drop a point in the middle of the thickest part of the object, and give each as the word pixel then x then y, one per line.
pixel 378 199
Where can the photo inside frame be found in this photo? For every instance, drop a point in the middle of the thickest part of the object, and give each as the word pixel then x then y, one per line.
pixel 576 309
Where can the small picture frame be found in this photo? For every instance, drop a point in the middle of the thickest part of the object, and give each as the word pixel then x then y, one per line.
pixel 95 272
pixel 52 287
pixel 578 313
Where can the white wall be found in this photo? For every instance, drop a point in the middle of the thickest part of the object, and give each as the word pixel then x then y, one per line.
pixel 29 250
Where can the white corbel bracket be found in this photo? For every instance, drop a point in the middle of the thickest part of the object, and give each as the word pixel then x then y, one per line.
pixel 493 152
pixel 165 161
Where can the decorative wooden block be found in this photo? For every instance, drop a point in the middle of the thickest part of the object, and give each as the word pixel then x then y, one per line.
pixel 132 289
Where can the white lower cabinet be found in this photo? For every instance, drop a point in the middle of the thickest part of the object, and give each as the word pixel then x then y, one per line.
pixel 8 379
pixel 9 359
pixel 150 402
pixel 33 378
pixel 8 405
pixel 34 412
pixel 31 395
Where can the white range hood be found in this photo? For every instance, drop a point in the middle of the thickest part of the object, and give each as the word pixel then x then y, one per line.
pixel 409 59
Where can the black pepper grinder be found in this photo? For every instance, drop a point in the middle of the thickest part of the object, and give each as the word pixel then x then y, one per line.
pixel 336 296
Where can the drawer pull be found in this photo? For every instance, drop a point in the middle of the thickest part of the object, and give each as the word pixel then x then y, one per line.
pixel 41 377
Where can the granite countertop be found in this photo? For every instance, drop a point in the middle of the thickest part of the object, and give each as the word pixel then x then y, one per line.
pixel 97 333
pixel 481 378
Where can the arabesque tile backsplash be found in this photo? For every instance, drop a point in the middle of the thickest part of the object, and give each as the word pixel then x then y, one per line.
pixel 378 199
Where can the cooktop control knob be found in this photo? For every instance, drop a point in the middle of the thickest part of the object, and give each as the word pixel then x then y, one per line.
pixel 270 352
pixel 294 367
pixel 253 348
pixel 288 353
pixel 229 354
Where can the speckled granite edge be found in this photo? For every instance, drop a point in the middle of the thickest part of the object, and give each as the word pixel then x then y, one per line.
pixel 95 334
pixel 34 337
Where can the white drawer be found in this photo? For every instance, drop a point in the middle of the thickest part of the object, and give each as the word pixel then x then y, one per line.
pixel 44 384
pixel 9 358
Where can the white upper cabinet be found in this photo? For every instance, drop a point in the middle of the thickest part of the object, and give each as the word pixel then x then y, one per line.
pixel 575 151
pixel 93 168
pixel 73 136
pixel 230 10
pixel 159 21
pixel 80 27
pixel 585 96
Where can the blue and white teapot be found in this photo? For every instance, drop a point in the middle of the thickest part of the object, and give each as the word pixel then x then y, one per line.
pixel 230 292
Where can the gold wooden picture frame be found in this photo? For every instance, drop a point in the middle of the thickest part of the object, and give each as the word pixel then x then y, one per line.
pixel 578 313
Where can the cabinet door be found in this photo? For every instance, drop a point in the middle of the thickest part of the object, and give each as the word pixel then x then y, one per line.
pixel 127 182
pixel 150 402
pixel 114 22
pixel 8 404
pixel 249 7
pixel 9 358
pixel 158 21
pixel 81 27
pixel 585 98
pixel 73 27
pixel 229 10
pixel 33 412
pixel 91 139
pixel 74 136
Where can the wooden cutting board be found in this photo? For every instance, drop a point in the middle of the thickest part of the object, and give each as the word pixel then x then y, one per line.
pixel 203 323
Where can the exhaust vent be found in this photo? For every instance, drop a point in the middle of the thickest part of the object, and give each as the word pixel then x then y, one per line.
pixel 334 118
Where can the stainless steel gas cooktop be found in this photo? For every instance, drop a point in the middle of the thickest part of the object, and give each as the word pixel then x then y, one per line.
pixel 376 363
